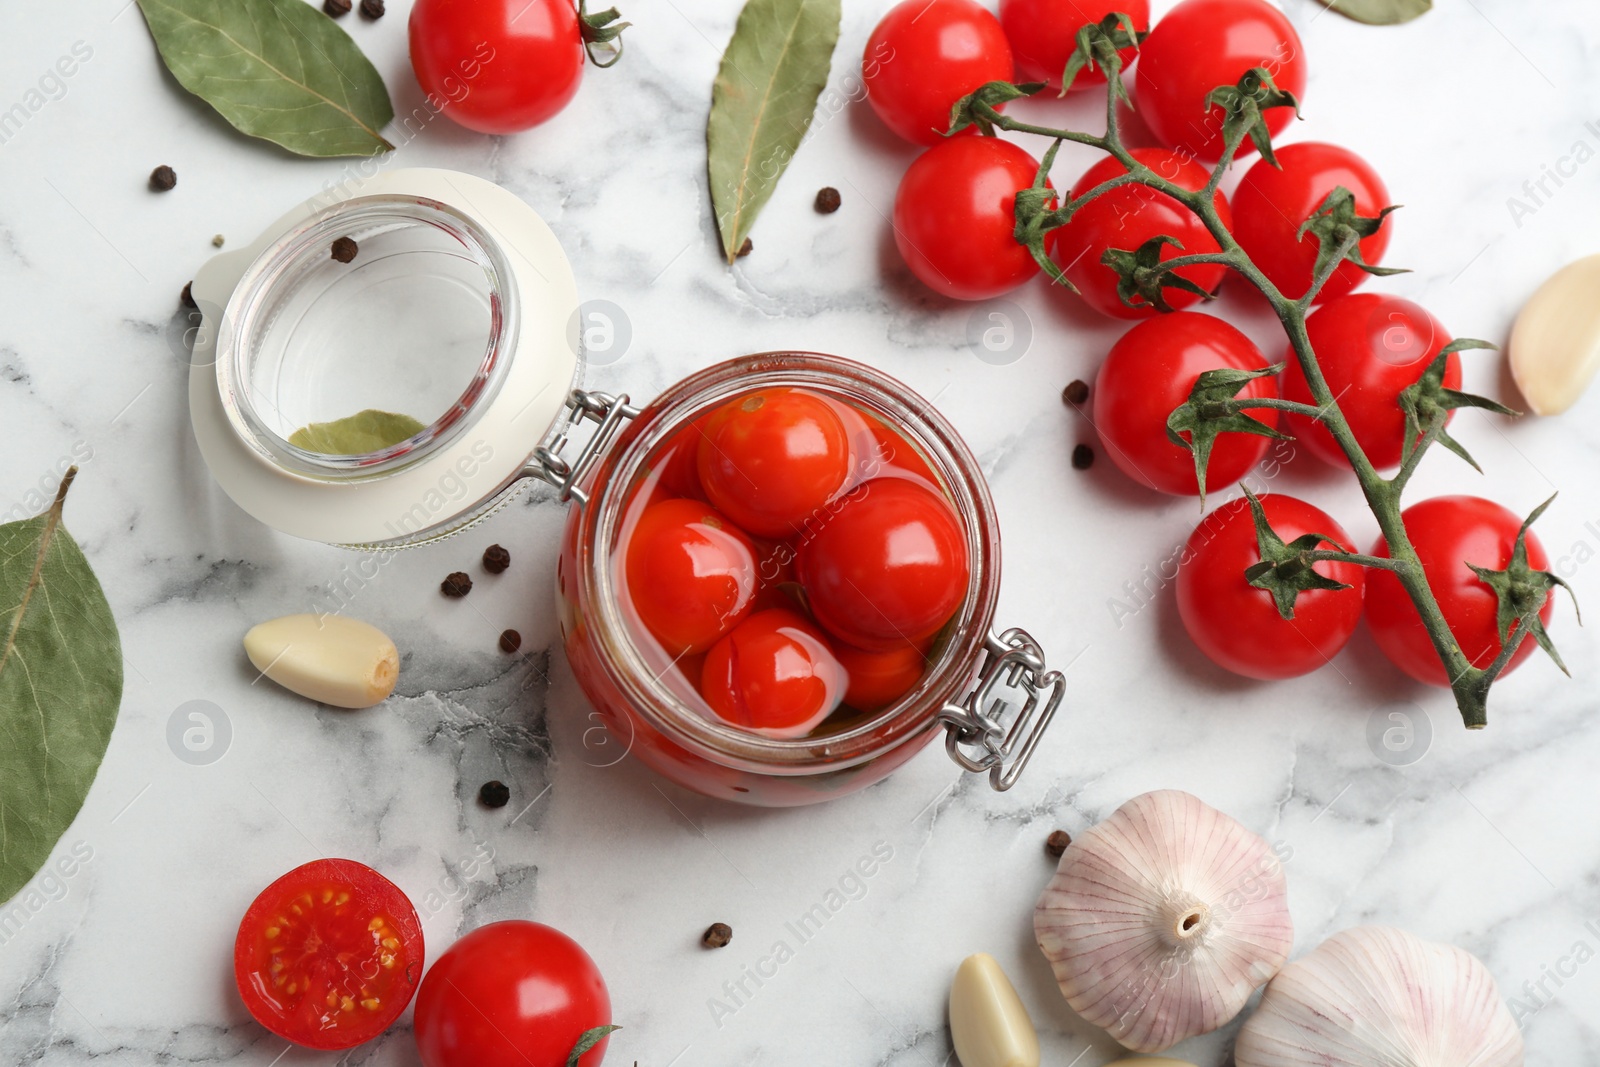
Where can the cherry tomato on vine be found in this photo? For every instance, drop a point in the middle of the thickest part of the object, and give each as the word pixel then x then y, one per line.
pixel 1369 347
pixel 927 54
pixel 511 994
pixel 878 679
pixel 775 674
pixel 1148 373
pixel 889 567
pixel 1449 532
pixel 328 955
pixel 1201 45
pixel 772 459
pixel 1043 35
pixel 1271 203
pixel 1127 217
pixel 691 574
pixel 954 217
pixel 498 66
pixel 1237 625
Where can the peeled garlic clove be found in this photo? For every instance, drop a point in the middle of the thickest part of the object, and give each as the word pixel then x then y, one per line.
pixel 1163 919
pixel 328 658
pixel 1379 997
pixel 988 1024
pixel 1555 344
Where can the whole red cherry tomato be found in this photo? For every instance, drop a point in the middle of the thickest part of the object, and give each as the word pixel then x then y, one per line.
pixel 1369 347
pixel 775 674
pixel 889 567
pixel 1043 35
pixel 691 574
pixel 954 217
pixel 1236 624
pixel 878 679
pixel 511 994
pixel 772 459
pixel 1449 532
pixel 1201 45
pixel 1271 203
pixel 497 66
pixel 927 54
pixel 328 955
pixel 1127 217
pixel 1148 373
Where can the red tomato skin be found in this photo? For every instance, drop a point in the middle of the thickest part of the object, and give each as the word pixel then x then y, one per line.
pixel 1126 218
pixel 890 566
pixel 511 994
pixel 774 674
pixel 497 66
pixel 692 574
pixel 376 894
pixel 1043 34
pixel 924 56
pixel 1201 45
pixel 1148 373
pixel 1370 346
pixel 954 217
pixel 1237 625
pixel 771 460
pixel 1449 532
pixel 1270 204
pixel 878 679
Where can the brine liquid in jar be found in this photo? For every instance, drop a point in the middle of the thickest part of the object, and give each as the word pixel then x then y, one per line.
pixel 788 562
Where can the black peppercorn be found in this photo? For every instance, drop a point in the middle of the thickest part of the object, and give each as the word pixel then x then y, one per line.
pixel 510 641
pixel 344 249
pixel 372 9
pixel 496 559
pixel 827 200
pixel 163 178
pixel 1082 457
pixel 1076 392
pixel 1057 842
pixel 456 585
pixel 494 794
pixel 745 249
pixel 336 8
pixel 717 935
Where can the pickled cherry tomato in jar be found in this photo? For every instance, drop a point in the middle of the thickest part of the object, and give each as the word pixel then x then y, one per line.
pixel 775 674
pixel 772 459
pixel 691 574
pixel 878 679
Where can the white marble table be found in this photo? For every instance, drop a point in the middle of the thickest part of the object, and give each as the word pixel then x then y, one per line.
pixel 1489 841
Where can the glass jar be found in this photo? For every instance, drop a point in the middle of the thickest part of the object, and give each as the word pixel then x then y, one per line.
pixel 458 311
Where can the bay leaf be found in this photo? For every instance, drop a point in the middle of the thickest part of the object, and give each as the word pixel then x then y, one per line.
pixel 60 687
pixel 356 435
pixel 1380 12
pixel 762 104
pixel 276 69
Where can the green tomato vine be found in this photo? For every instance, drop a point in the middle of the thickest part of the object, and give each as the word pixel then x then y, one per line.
pixel 1213 406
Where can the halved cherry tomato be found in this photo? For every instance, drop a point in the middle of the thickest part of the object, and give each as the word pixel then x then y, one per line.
pixel 889 567
pixel 772 459
pixel 924 56
pixel 1201 45
pixel 878 679
pixel 1272 202
pixel 691 574
pixel 1148 373
pixel 774 675
pixel 1370 347
pixel 1448 533
pixel 1236 624
pixel 1043 35
pixel 1128 216
pixel 328 955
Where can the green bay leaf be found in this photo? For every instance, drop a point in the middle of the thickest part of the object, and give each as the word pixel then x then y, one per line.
pixel 60 687
pixel 762 104
pixel 356 435
pixel 276 69
pixel 1380 12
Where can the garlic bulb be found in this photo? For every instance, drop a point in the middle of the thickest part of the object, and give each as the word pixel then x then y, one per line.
pixel 1379 997
pixel 1163 919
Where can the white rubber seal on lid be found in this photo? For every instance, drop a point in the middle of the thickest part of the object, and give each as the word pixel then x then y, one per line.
pixel 477 461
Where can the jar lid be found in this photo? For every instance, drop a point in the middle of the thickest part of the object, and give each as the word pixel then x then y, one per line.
pixel 378 366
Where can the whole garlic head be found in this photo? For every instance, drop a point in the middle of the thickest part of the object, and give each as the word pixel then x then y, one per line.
pixel 1162 920
pixel 1379 997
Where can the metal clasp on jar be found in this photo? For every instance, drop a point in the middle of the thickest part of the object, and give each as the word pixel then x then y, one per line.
pixel 611 412
pixel 978 740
